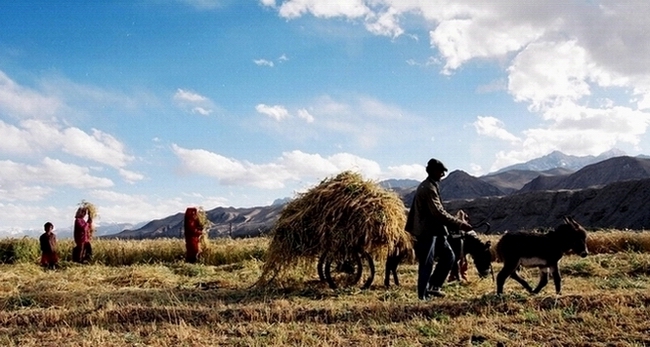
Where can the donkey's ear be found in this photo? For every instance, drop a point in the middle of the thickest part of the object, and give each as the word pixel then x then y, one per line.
pixel 571 222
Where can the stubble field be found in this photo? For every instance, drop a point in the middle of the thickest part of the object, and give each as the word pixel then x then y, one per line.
pixel 125 298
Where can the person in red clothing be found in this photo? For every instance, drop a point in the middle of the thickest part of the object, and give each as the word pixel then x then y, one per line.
pixel 193 231
pixel 82 252
pixel 49 257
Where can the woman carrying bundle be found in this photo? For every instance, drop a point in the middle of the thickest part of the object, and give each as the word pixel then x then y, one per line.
pixel 82 252
pixel 193 231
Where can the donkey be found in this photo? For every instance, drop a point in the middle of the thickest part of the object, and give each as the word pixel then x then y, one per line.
pixel 532 249
pixel 471 245
pixel 458 240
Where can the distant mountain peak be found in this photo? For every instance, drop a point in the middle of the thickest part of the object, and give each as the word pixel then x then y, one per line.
pixel 557 159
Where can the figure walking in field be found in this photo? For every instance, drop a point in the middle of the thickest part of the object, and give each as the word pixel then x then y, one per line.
pixel 427 221
pixel 82 252
pixel 193 231
pixel 49 257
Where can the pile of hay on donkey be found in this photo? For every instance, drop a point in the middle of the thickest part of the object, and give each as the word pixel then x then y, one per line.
pixel 342 215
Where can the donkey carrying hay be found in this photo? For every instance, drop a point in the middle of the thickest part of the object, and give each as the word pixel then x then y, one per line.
pixel 531 249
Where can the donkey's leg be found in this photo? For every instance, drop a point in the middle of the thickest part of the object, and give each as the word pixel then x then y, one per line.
pixel 454 274
pixel 398 260
pixel 509 268
pixel 543 279
pixel 557 279
pixel 521 281
pixel 391 264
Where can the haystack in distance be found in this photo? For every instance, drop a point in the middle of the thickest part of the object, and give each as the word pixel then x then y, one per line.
pixel 341 215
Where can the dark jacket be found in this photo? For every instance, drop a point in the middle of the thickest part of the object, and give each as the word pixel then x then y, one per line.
pixel 427 215
pixel 48 243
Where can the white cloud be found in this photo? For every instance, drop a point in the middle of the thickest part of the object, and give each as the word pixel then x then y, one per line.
pixel 460 40
pixel 21 102
pixel 52 171
pixel 263 62
pixel 14 140
pixel 187 96
pixel 546 71
pixel 202 111
pixel 578 130
pixel 193 102
pixel 413 171
pixel 34 136
pixel 304 114
pixel 294 166
pixel 326 9
pixel 130 176
pixel 493 127
pixel 276 112
pixel 385 24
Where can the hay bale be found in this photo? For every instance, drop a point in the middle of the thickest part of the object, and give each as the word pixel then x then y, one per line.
pixel 341 215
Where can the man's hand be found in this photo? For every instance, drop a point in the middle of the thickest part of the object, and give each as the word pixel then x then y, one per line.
pixel 465 226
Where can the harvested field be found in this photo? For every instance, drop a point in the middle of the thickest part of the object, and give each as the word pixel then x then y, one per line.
pixel 605 302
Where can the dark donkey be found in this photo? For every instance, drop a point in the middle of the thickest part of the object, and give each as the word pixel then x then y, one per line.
pixel 532 249
pixel 472 245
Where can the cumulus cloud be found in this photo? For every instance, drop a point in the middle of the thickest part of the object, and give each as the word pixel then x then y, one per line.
pixel 292 166
pixel 556 57
pixel 52 171
pixel 493 127
pixel 34 136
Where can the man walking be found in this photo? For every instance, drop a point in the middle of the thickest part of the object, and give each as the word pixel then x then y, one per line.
pixel 427 222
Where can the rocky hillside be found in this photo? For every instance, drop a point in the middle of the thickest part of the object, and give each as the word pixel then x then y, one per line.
pixel 227 221
pixel 595 175
pixel 513 180
pixel 619 205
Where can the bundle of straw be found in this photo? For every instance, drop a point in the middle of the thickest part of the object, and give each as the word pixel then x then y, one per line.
pixel 206 223
pixel 341 215
pixel 92 212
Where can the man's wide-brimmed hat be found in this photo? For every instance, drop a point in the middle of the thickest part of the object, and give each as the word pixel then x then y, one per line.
pixel 435 164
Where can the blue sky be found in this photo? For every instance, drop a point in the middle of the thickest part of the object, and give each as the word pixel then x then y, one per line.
pixel 145 107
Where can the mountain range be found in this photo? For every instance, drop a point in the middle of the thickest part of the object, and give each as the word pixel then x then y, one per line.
pixel 521 197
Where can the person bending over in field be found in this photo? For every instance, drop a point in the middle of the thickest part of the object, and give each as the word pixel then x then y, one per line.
pixel 49 257
pixel 193 231
pixel 82 252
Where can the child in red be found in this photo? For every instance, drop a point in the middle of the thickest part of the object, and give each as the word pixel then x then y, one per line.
pixel 49 258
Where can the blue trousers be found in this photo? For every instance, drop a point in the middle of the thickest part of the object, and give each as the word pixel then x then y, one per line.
pixel 426 250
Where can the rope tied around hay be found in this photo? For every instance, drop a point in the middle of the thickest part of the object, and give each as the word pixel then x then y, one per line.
pixel 341 215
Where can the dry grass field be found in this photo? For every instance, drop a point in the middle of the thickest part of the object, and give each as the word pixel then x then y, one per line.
pixel 140 293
